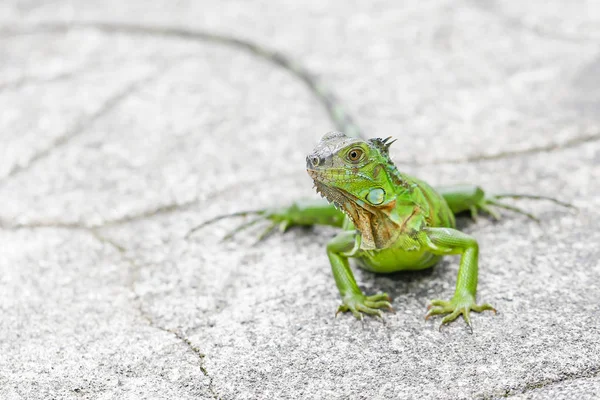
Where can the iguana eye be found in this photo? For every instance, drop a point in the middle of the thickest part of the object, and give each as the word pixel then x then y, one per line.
pixel 354 155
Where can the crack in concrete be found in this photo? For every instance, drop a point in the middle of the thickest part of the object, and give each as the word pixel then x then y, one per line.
pixel 161 210
pixel 79 128
pixel 134 274
pixel 271 56
pixel 142 215
pixel 115 100
pixel 491 9
pixel 551 147
pixel 87 67
pixel 40 224
pixel 342 120
pixel 528 387
pixel 38 80
pixel 179 335
pixel 183 338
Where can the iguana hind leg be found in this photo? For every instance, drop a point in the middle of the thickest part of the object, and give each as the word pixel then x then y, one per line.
pixel 471 198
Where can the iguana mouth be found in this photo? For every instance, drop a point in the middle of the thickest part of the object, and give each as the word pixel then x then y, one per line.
pixel 338 197
pixel 335 196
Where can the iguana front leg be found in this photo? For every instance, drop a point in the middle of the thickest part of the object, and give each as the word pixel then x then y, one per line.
pixel 445 241
pixel 345 245
pixel 299 213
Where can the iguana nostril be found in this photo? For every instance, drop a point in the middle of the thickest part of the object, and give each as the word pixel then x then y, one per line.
pixel 315 161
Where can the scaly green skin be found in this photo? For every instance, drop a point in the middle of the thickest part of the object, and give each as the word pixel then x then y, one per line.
pixel 397 223
pixel 391 222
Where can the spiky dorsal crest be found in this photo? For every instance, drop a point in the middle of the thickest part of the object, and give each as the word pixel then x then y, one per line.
pixel 383 145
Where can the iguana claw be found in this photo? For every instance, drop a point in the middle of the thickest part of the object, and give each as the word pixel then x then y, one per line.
pixel 277 218
pixel 224 216
pixel 301 213
pixel 493 200
pixel 455 307
pixel 359 304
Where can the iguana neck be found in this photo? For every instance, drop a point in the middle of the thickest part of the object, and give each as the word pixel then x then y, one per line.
pixel 402 184
pixel 380 225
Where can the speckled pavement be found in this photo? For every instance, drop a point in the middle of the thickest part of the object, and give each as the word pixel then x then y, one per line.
pixel 113 144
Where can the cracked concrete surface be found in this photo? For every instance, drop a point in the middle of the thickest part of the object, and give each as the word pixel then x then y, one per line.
pixel 113 145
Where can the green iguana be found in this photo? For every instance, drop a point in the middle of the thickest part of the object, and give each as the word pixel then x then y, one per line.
pixel 391 222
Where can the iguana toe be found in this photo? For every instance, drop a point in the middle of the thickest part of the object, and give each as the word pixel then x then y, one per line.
pixel 456 307
pixel 359 304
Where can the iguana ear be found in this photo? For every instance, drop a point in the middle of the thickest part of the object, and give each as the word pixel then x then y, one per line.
pixel 383 145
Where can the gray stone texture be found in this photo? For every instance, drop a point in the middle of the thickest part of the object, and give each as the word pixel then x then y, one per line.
pixel 114 145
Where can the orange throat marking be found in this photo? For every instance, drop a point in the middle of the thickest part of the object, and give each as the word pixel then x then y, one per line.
pixel 374 223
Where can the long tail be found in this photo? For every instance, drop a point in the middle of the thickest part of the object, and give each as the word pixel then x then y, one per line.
pixel 342 120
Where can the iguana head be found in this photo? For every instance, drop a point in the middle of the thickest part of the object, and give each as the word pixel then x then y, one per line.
pixel 356 176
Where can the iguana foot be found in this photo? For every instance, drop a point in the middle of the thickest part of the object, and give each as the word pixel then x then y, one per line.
pixel 277 217
pixel 455 307
pixel 359 304
pixel 300 213
pixel 487 204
